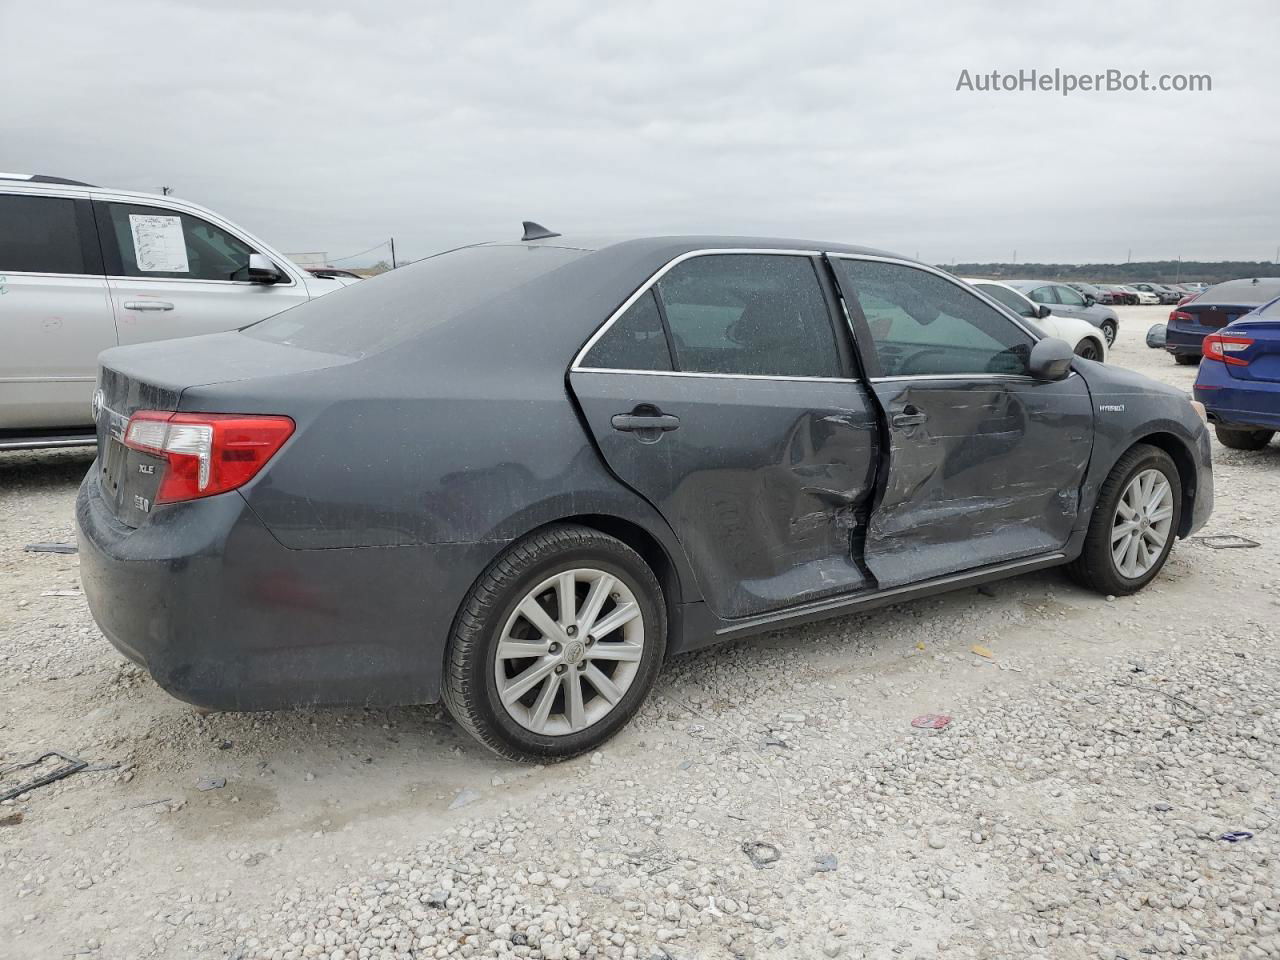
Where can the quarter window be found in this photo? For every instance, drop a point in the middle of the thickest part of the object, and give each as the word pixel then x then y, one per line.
pixel 160 242
pixel 753 314
pixel 40 235
pixel 925 325
pixel 635 341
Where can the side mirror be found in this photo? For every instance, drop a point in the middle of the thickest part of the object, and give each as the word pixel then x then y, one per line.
pixel 1156 336
pixel 1050 359
pixel 262 270
pixel 1090 300
pixel 1042 311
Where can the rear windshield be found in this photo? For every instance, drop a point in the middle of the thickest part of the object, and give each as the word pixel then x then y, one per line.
pixel 368 317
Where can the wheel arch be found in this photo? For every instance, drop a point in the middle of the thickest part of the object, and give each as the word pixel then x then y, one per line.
pixel 650 549
pixel 1184 459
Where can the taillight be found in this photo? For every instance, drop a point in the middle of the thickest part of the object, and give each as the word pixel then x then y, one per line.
pixel 1219 346
pixel 1180 315
pixel 207 453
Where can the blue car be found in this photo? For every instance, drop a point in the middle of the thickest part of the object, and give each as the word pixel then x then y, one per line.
pixel 1239 380
pixel 1213 309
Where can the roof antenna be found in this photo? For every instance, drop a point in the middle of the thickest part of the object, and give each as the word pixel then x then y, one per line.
pixel 536 231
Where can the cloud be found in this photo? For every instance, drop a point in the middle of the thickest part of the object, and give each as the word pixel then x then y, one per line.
pixel 328 126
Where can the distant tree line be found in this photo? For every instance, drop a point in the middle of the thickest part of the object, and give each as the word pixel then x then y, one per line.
pixel 1152 271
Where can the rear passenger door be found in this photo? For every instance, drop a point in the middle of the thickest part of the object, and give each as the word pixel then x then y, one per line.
pixel 175 274
pixel 55 315
pixel 985 463
pixel 723 393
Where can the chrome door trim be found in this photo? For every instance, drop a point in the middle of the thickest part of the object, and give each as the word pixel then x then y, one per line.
pixel 644 288
pixel 713 376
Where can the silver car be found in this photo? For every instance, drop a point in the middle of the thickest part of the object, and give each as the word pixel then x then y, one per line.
pixel 1064 301
pixel 84 268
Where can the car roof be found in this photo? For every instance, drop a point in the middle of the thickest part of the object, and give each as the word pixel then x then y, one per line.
pixel 1019 284
pixel 1245 292
pixel 675 245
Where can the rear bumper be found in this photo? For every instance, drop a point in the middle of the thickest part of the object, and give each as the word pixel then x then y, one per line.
pixel 224 617
pixel 1240 404
pixel 1183 343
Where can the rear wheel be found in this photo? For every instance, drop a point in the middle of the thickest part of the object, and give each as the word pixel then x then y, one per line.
pixel 1134 523
pixel 556 646
pixel 1243 439
pixel 1087 349
pixel 1109 331
pixel 1186 359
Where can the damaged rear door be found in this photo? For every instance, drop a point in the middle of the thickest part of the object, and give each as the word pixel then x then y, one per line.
pixel 985 463
pixel 723 395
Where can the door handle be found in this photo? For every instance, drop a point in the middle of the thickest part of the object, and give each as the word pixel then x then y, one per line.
pixel 909 417
pixel 634 422
pixel 148 305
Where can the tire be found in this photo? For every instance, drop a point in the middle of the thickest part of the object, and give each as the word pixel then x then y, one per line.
pixel 1186 359
pixel 1097 566
pixel 529 575
pixel 1087 349
pixel 1109 330
pixel 1243 439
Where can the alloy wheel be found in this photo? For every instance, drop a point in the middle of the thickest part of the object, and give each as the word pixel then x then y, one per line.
pixel 569 651
pixel 1087 350
pixel 1142 523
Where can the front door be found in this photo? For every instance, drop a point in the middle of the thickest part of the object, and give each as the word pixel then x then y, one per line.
pixel 723 396
pixel 985 462
pixel 173 274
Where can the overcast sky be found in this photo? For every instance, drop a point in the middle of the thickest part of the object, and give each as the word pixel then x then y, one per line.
pixel 329 126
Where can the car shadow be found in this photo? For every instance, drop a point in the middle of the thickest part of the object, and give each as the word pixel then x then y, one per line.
pixel 50 470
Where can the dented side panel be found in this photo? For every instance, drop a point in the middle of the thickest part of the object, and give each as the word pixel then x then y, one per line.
pixel 991 473
pixel 762 480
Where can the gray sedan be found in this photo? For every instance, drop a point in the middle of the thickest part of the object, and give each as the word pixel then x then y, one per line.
pixel 1063 300
pixel 518 476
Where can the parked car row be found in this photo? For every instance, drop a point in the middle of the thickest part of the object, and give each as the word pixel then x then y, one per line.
pixel 1063 300
pixel 1121 294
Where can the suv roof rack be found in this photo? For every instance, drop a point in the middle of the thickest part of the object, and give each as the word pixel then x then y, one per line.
pixel 44 178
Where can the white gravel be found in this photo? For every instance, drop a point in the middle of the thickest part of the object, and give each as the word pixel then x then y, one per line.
pixel 1072 808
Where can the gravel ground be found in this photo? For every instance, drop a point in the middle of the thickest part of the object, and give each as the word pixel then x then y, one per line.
pixel 772 799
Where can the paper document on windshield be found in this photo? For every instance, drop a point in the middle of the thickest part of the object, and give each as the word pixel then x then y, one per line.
pixel 158 244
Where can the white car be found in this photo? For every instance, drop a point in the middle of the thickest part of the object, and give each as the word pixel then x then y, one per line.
pixel 84 268
pixel 1087 340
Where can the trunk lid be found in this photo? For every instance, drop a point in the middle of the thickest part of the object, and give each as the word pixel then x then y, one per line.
pixel 155 376
pixel 1263 356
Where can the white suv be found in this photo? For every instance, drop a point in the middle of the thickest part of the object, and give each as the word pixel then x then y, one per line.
pixel 84 268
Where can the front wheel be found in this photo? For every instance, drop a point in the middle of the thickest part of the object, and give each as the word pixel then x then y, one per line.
pixel 1087 349
pixel 556 646
pixel 1134 523
pixel 1243 439
pixel 1109 330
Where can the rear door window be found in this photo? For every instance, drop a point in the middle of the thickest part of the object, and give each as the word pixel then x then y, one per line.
pixel 1043 295
pixel 922 324
pixel 635 341
pixel 749 314
pixel 43 235
pixel 1010 298
pixel 160 242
